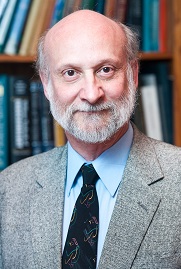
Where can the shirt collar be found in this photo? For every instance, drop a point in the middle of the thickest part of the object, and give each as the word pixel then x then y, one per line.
pixel 109 165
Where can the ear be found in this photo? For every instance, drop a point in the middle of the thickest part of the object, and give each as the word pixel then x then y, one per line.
pixel 44 81
pixel 135 68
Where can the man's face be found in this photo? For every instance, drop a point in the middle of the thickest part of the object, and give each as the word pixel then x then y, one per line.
pixel 88 88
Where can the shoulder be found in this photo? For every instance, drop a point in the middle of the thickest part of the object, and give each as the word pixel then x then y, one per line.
pixel 165 153
pixel 26 170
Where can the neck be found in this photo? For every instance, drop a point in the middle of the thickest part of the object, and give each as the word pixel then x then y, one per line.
pixel 91 152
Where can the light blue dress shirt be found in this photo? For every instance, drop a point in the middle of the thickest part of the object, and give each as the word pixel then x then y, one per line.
pixel 110 167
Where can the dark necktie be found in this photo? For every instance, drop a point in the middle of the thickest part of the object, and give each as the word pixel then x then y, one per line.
pixel 80 251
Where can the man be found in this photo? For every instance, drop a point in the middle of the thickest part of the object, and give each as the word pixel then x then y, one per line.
pixel 89 69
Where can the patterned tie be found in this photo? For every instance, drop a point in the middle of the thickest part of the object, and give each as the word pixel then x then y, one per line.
pixel 80 251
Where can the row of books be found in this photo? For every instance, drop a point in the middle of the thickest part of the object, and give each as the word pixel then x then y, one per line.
pixel 26 124
pixel 23 21
pixel 153 113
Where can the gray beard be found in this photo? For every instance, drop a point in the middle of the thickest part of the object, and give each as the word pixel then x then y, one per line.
pixel 119 113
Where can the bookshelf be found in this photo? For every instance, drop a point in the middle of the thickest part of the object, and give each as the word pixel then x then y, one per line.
pixel 24 65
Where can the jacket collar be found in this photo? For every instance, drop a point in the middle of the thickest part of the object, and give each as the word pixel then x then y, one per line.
pixel 135 207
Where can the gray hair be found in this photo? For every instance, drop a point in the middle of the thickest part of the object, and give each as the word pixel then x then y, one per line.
pixel 131 47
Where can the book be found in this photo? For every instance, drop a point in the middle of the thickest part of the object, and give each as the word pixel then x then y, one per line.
pixel 133 17
pixel 4 122
pixel 121 9
pixel 68 7
pixel 19 104
pixel 99 6
pixel 77 5
pixel 3 6
pixel 35 119
pixel 6 22
pixel 138 114
pixel 17 27
pixel 151 110
pixel 150 25
pixel 146 25
pixel 30 26
pixel 154 25
pixel 58 12
pixel 161 70
pixel 59 135
pixel 46 11
pixel 169 26
pixel 162 26
pixel 110 8
pixel 47 128
pixel 88 4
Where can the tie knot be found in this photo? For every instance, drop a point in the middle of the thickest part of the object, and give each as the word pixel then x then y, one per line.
pixel 89 174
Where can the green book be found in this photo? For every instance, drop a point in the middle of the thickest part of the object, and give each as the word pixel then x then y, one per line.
pixel 4 121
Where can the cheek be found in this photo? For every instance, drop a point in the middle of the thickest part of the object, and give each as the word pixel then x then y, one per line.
pixel 116 89
pixel 65 94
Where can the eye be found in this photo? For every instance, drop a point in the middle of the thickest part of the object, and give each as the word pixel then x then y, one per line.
pixel 106 72
pixel 70 75
pixel 106 69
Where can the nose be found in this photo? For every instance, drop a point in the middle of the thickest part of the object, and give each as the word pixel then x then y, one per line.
pixel 91 89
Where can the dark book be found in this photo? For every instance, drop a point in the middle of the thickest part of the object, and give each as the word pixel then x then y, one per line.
pixel 4 122
pixel 35 117
pixel 47 123
pixel 99 6
pixel 138 114
pixel 121 10
pixel 20 146
pixel 133 17
pixel 88 4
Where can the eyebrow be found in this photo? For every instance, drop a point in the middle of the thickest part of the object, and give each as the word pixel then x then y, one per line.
pixel 96 66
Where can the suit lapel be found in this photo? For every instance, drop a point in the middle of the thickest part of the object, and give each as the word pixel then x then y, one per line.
pixel 46 211
pixel 135 207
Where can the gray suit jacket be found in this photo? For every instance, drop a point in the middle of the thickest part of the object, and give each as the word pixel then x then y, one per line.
pixel 145 228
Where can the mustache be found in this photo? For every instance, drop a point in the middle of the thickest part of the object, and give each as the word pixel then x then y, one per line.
pixel 85 107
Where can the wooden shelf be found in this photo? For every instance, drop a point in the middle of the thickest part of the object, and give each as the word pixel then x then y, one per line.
pixel 30 59
pixel 155 56
pixel 16 59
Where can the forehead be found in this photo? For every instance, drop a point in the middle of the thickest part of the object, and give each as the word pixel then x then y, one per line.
pixel 85 40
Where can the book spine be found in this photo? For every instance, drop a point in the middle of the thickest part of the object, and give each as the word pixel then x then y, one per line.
pixel 59 135
pixel 46 11
pixel 161 71
pixel 3 8
pixel 88 4
pixel 110 8
pixel 20 120
pixel 162 26
pixel 4 120
pixel 58 12
pixel 47 128
pixel 6 22
pixel 134 16
pixel 17 27
pixel 121 10
pixel 35 120
pixel 146 25
pixel 99 6
pixel 149 93
pixel 29 27
pixel 154 25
